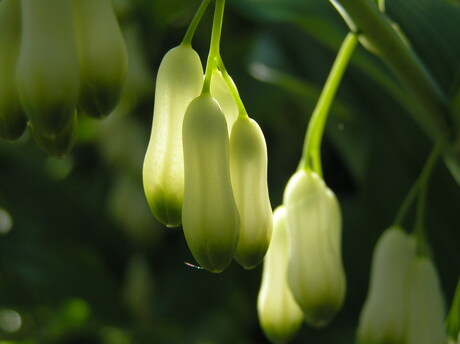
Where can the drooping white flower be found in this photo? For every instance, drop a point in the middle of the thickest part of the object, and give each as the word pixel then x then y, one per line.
pixel 425 304
pixel 248 170
pixel 279 315
pixel 179 81
pixel 209 213
pixel 383 317
pixel 315 274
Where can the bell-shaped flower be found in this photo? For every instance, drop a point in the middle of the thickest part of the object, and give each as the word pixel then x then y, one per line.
pixel 248 167
pixel 221 92
pixel 103 57
pixel 383 317
pixel 47 71
pixel 209 214
pixel 179 81
pixel 315 273
pixel 12 118
pixel 425 318
pixel 279 315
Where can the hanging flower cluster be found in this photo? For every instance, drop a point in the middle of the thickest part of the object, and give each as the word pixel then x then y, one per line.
pixel 58 57
pixel 404 304
pixel 307 279
pixel 311 273
pixel 206 162
pixel 205 168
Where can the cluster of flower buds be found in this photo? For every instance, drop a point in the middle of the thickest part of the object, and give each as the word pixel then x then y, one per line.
pixel 206 166
pixel 308 271
pixel 58 57
pixel 404 304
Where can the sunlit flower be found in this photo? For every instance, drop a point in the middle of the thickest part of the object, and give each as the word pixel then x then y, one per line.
pixel 279 315
pixel 315 274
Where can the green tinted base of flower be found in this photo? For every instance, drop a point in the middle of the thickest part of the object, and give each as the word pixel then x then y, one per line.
pixel 12 126
pixel 57 145
pixel 97 101
pixel 167 209
pixel 213 256
pixel 278 336
pixel 251 258
pixel 320 316
pixel 50 119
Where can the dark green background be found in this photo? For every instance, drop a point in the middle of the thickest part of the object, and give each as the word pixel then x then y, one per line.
pixel 85 262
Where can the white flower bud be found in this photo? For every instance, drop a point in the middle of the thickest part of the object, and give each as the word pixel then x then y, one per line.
pixel 179 81
pixel 248 167
pixel 383 317
pixel 12 117
pixel 425 305
pixel 315 274
pixel 47 71
pixel 209 214
pixel 103 57
pixel 279 315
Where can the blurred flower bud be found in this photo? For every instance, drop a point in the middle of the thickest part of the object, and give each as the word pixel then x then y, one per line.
pixel 209 213
pixel 59 144
pixel 315 273
pixel 12 118
pixel 179 81
pixel 220 91
pixel 248 167
pixel 279 315
pixel 425 304
pixel 102 56
pixel 383 317
pixel 47 72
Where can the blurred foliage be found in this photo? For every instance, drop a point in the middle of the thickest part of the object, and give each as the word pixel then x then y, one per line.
pixel 83 261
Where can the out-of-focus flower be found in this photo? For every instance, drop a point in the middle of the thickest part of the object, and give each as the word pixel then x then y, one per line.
pixel 384 315
pixel 425 304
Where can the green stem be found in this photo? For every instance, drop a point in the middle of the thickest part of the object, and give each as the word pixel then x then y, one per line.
pixel 232 87
pixel 405 206
pixel 422 186
pixel 374 26
pixel 195 21
pixel 311 156
pixel 214 50
pixel 419 189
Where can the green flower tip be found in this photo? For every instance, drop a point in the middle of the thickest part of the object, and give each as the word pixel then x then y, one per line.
pixel 167 208
pixel 59 144
pixel 214 254
pixel 251 257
